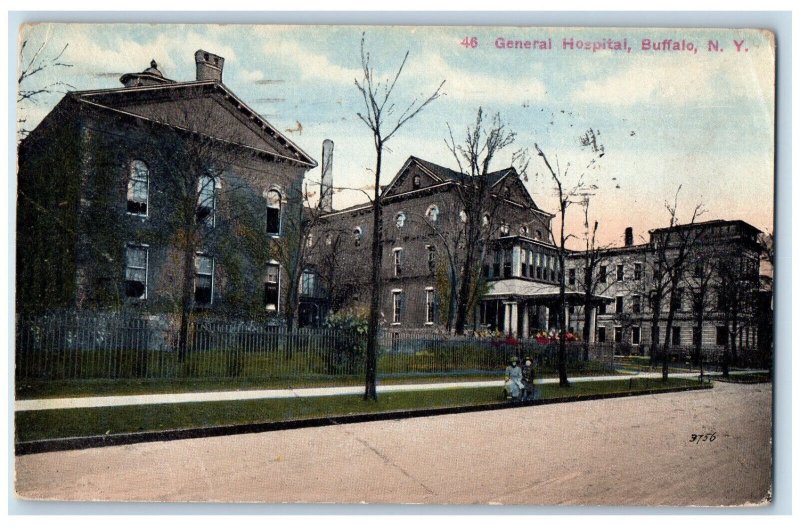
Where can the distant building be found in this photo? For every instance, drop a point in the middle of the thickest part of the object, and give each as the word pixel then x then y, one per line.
pixel 720 276
pixel 125 193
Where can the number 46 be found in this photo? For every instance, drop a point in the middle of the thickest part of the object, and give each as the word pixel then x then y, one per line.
pixel 471 42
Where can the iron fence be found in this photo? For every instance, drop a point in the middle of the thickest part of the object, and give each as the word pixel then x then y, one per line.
pixel 102 346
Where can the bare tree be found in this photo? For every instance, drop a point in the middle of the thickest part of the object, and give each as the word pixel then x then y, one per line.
pixel 672 248
pixel 590 284
pixel 297 246
pixel 37 62
pixel 380 116
pixel 476 195
pixel 737 297
pixel 569 189
pixel 700 282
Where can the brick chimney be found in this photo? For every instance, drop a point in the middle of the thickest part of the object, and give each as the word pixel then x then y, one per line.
pixel 209 66
pixel 629 236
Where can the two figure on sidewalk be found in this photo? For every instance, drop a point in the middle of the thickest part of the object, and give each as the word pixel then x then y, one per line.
pixel 519 380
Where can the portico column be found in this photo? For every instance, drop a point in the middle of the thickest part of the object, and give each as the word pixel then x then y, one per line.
pixel 566 319
pixel 546 324
pixel 507 318
pixel 525 321
pixel 591 319
pixel 514 319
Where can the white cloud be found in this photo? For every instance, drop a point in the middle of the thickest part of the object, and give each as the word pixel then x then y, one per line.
pixel 474 87
pixel 679 78
pixel 312 65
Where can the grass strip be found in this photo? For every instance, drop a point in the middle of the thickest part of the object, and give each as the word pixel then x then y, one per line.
pixel 32 390
pixel 82 422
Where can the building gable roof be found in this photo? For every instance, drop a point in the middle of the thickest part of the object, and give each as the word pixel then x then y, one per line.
pixel 209 108
pixel 441 175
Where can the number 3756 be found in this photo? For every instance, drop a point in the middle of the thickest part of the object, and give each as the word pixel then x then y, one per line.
pixel 705 437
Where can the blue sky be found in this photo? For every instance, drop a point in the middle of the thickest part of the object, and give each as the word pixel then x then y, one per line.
pixel 702 120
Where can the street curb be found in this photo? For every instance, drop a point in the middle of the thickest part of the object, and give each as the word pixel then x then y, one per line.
pixel 96 441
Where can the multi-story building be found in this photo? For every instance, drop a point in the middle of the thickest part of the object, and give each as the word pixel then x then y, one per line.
pixel 424 229
pixel 707 274
pixel 152 195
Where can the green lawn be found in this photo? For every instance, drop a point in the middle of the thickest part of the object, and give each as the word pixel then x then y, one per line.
pixel 37 425
pixel 30 389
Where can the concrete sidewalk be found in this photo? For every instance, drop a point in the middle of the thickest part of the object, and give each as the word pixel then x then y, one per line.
pixel 218 396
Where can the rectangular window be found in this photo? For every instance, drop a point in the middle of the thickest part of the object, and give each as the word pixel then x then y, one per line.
pixel 637 271
pixel 203 279
pixel 272 287
pixel 496 264
pixel 538 266
pixel 618 307
pixel 205 200
pixel 677 300
pixel 617 334
pixel 397 305
pixel 620 272
pixel 138 187
pixel 722 335
pixel 430 305
pixel 601 335
pixel 308 283
pixel 676 336
pixel 602 308
pixel 636 304
pixel 507 263
pixel 524 262
pixel 572 276
pixel 636 335
pixel 432 260
pixel 697 336
pixel 602 276
pixel 398 262
pixel 136 272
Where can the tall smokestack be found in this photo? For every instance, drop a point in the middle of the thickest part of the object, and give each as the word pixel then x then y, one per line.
pixel 326 184
pixel 629 236
pixel 209 65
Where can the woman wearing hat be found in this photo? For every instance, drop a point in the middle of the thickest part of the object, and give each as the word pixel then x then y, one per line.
pixel 514 379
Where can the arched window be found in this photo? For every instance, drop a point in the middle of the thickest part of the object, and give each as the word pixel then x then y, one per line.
pixel 400 219
pixel 523 230
pixel 504 229
pixel 538 234
pixel 328 238
pixel 463 216
pixel 138 186
pixel 432 213
pixel 486 220
pixel 274 212
pixel 206 200
pixel 416 182
pixel 357 235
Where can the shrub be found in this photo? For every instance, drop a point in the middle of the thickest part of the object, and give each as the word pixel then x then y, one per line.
pixel 350 343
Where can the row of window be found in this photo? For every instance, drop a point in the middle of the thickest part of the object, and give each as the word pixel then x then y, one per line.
pixel 722 333
pixel 136 275
pixel 139 197
pixel 533 264
pixel 602 274
pixel 398 305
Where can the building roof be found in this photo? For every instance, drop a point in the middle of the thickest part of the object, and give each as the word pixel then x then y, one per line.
pixel 446 174
pixel 206 107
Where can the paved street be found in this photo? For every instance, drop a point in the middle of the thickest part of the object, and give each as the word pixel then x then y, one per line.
pixel 628 451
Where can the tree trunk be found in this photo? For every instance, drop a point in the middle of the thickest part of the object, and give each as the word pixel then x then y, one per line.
pixel 370 392
pixel 562 305
pixel 464 293
pixel 187 297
